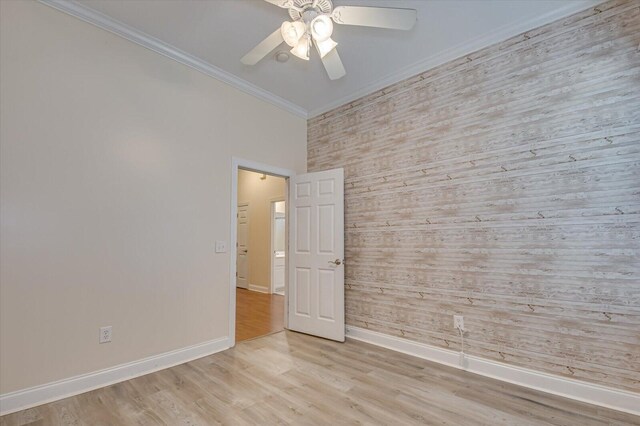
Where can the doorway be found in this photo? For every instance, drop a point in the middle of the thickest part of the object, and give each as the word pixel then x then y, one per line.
pixel 260 254
pixel 314 251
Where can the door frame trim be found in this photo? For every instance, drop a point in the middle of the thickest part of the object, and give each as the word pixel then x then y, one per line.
pixel 253 166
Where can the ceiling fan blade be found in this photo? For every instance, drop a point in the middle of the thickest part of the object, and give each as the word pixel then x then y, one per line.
pixel 263 48
pixel 379 17
pixel 333 64
pixel 285 4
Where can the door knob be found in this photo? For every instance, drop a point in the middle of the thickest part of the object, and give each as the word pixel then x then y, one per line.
pixel 336 262
pixel 245 251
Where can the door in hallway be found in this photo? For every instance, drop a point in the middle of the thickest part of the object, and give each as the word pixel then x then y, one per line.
pixel 242 262
pixel 278 246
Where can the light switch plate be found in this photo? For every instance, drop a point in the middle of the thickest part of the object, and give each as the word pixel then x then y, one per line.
pixel 221 246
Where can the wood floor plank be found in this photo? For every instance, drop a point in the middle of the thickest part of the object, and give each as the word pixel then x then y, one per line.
pixel 291 378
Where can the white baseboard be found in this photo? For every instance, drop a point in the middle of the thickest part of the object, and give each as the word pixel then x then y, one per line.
pixel 31 397
pixel 586 392
pixel 258 288
pixel 628 402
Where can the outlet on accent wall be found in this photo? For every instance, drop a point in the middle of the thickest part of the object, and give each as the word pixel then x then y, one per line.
pixel 458 322
pixel 105 334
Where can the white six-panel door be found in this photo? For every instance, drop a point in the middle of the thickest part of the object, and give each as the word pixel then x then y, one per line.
pixel 242 256
pixel 316 265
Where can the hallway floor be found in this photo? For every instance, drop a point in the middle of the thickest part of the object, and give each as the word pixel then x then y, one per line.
pixel 258 314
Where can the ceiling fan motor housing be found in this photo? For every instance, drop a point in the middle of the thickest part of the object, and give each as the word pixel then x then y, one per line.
pixel 304 10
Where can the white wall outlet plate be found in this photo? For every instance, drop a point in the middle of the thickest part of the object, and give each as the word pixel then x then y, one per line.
pixel 458 322
pixel 105 334
pixel 221 246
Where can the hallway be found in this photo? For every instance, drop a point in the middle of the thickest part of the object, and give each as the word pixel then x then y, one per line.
pixel 258 314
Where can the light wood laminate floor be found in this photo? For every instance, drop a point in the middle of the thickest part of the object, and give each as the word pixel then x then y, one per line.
pixel 258 314
pixel 290 378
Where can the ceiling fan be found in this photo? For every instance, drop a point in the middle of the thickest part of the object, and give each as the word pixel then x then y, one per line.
pixel 312 24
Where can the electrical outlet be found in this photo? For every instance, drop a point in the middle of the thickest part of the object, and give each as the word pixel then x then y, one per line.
pixel 458 322
pixel 105 334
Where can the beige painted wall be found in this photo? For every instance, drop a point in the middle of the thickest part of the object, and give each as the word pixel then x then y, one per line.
pixel 115 183
pixel 503 186
pixel 259 194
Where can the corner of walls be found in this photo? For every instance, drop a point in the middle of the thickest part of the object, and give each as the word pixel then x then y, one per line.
pixel 258 288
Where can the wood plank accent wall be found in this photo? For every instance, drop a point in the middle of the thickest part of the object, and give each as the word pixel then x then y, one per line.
pixel 504 186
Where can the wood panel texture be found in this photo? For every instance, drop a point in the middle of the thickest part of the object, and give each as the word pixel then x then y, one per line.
pixel 504 186
pixel 294 379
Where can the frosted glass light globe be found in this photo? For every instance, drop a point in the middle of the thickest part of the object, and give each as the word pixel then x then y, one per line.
pixel 302 49
pixel 321 27
pixel 292 31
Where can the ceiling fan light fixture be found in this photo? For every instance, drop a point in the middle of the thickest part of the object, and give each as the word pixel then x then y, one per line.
pixel 321 28
pixel 312 23
pixel 292 32
pixel 302 48
pixel 325 46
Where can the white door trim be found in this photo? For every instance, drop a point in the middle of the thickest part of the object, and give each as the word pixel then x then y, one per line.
pixel 254 166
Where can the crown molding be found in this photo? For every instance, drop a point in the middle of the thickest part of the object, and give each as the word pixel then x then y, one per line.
pixel 455 52
pixel 123 30
pixel 500 34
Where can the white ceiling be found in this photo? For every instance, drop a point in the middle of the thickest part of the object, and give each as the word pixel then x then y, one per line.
pixel 220 32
